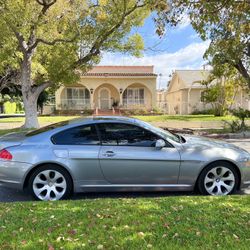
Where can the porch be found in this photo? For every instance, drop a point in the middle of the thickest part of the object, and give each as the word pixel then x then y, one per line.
pixel 105 97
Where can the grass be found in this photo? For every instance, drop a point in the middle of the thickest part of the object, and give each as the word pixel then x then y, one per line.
pixel 42 119
pixel 128 223
pixel 156 118
pixel 15 130
pixel 163 118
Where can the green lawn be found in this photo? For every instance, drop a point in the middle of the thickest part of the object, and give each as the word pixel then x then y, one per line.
pixel 156 118
pixel 163 118
pixel 42 119
pixel 128 223
pixel 150 118
pixel 6 131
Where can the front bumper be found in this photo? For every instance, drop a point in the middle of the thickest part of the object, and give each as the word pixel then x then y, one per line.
pixel 245 174
pixel 12 173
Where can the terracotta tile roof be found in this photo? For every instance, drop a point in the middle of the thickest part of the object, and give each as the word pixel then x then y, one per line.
pixel 121 71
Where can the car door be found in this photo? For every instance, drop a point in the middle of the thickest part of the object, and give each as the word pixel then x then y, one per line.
pixel 128 156
pixel 83 145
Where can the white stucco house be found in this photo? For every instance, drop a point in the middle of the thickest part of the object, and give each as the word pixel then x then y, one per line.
pixel 104 87
pixel 184 93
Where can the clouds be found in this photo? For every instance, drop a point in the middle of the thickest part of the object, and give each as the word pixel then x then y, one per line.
pixel 185 22
pixel 189 57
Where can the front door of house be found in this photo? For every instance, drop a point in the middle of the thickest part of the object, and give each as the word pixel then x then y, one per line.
pixel 104 98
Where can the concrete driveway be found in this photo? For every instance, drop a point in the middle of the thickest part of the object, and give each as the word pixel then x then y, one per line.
pixel 10 195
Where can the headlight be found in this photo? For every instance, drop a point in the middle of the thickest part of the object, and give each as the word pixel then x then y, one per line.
pixel 245 160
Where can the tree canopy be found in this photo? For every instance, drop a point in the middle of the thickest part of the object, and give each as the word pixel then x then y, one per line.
pixel 226 24
pixel 48 41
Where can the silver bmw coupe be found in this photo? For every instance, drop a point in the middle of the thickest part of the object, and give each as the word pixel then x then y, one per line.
pixel 118 154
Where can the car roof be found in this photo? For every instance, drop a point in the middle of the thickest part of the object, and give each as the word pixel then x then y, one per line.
pixel 114 118
pixel 100 119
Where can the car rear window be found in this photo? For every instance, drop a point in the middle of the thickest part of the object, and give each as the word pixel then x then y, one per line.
pixel 81 135
pixel 47 128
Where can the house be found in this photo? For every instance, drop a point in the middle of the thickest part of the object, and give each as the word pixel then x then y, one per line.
pixel 104 87
pixel 162 99
pixel 184 93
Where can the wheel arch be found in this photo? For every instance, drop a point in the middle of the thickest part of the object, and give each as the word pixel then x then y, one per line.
pixel 233 164
pixel 27 177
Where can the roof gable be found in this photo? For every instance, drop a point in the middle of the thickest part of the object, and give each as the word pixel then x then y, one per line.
pixel 191 78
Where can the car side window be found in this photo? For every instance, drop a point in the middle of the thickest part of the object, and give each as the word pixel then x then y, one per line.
pixel 82 135
pixel 126 135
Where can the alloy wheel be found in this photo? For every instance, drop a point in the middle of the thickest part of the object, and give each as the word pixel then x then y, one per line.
pixel 219 181
pixel 49 185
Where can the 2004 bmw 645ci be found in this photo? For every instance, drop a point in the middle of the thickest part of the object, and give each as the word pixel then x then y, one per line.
pixel 118 154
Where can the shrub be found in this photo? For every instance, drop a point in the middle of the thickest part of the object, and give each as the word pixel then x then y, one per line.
pixel 157 111
pixel 9 107
pixel 234 125
pixel 131 112
pixel 238 124
pixel 203 112
pixel 241 114
pixel 6 98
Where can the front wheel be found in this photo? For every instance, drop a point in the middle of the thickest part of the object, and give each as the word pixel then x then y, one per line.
pixel 50 182
pixel 219 178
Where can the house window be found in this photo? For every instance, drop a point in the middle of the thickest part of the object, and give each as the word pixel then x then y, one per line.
pixel 203 98
pixel 76 98
pixel 133 96
pixel 77 93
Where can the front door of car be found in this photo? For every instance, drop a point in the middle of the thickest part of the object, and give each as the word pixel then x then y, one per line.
pixel 128 156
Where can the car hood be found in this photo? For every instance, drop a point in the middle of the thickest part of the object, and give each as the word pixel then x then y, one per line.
pixel 205 143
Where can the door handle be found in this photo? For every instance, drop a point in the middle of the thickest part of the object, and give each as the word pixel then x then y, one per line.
pixel 109 154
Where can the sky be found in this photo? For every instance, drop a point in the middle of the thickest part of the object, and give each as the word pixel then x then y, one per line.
pixel 180 48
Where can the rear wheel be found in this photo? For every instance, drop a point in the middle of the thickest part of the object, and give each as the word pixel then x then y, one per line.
pixel 50 182
pixel 219 178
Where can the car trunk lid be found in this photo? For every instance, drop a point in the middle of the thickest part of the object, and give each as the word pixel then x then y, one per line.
pixel 12 139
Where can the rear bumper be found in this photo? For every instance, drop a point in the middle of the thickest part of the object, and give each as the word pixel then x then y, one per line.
pixel 12 173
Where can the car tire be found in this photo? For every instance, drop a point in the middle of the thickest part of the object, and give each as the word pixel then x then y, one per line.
pixel 218 178
pixel 50 182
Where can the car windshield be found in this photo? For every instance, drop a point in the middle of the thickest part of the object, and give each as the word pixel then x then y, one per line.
pixel 163 133
pixel 47 128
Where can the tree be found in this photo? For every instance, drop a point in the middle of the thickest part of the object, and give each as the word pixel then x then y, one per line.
pixel 222 85
pixel 8 79
pixel 51 41
pixel 226 24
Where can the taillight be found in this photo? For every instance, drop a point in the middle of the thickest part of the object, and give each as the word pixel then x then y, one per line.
pixel 5 154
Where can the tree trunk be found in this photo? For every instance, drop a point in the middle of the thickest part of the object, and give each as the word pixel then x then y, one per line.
pixel 30 108
pixel 243 71
pixel 29 95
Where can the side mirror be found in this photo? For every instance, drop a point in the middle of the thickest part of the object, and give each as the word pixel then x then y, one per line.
pixel 160 144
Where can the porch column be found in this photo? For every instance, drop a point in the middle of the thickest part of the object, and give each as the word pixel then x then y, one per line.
pixel 121 94
pixel 121 101
pixel 92 98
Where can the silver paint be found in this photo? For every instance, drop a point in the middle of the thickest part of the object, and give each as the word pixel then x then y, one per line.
pixel 176 166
